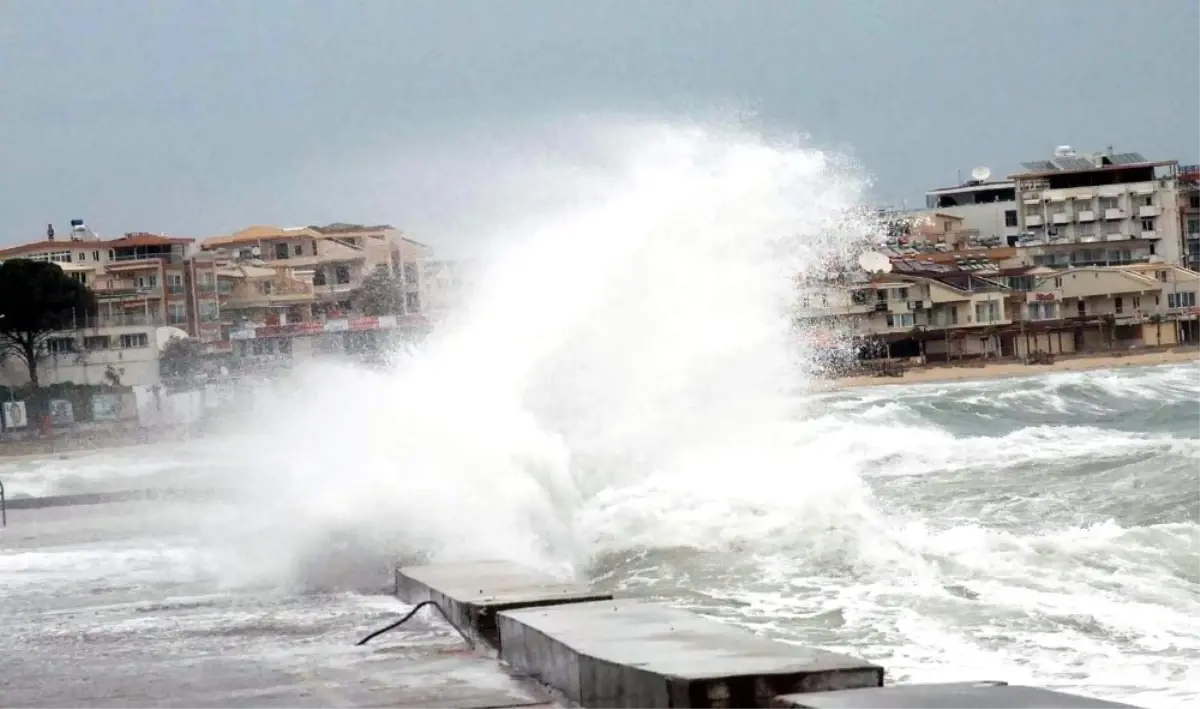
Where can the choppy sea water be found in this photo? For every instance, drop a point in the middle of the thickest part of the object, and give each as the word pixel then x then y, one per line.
pixel 1042 530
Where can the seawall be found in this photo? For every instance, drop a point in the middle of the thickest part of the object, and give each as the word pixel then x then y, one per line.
pixel 593 650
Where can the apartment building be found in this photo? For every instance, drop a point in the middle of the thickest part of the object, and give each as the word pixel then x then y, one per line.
pixel 289 292
pixel 940 312
pixel 944 307
pixel 147 288
pixel 1100 209
pixel 1189 206
pixel 987 211
pixel 447 285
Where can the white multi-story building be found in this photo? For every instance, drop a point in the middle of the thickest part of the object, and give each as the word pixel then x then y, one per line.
pixel 1189 205
pixel 1101 209
pixel 988 211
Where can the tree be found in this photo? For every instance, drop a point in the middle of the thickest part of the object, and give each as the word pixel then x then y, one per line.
pixel 36 300
pixel 381 294
pixel 180 358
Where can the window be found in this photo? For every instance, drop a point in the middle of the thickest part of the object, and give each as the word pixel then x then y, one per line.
pixel 987 312
pixel 1033 210
pixel 319 277
pixel 1137 302
pixel 881 296
pixel 902 294
pixel 1181 300
pixel 1010 217
pixel 412 302
pixel 410 273
pixel 281 250
pixel 1086 229
pixel 1110 203
pixel 95 255
pixel 175 283
pixel 298 250
pixel 900 320
pixel 1147 225
pixel 341 274
pixel 266 287
pixel 134 340
pixel 1081 308
pixel 176 314
pixel 1147 200
pixel 95 342
pixel 1193 227
pixel 1194 202
pixel 1118 305
pixel 82 256
pixel 1112 228
pixel 145 282
pixel 1020 282
pixel 1043 311
pixel 60 345
pixel 1058 282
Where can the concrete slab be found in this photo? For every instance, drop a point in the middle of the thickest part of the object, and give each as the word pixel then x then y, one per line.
pixel 473 593
pixel 958 695
pixel 637 654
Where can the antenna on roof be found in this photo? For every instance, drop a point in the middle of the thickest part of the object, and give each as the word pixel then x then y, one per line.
pixel 875 262
pixel 981 173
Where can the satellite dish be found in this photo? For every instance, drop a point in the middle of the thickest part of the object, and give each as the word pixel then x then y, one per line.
pixel 875 262
pixel 981 173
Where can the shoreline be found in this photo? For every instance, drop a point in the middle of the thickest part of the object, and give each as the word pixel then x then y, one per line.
pixel 1011 369
pixel 64 447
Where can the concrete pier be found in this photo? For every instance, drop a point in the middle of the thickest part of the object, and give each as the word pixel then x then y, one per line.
pixel 635 654
pixel 958 695
pixel 472 594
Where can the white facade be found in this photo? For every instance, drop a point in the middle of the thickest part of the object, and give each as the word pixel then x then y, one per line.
pixel 989 209
pixel 86 356
pixel 1130 214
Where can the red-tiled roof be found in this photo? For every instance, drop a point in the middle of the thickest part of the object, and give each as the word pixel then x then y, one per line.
pixel 130 239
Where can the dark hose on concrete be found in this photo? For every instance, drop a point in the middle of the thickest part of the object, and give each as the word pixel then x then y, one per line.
pixel 409 615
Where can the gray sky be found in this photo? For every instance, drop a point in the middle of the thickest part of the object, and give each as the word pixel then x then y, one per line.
pixel 197 118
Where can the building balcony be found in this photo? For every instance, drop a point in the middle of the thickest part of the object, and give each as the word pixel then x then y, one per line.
pixel 1116 236
pixel 1116 213
pixel 1060 218
pixel 1149 210
pixel 122 320
pixel 1151 235
pixel 1085 215
pixel 175 289
pixel 1090 239
pixel 1034 220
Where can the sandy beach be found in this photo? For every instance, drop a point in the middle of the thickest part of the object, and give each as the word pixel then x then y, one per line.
pixel 1004 369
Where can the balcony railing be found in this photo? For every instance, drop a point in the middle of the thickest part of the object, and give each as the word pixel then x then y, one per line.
pixel 122 320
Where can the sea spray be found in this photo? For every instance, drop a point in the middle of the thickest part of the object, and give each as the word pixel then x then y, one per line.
pixel 640 336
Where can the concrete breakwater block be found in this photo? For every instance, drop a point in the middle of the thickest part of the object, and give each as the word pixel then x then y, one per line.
pixel 473 593
pixel 637 654
pixel 957 695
